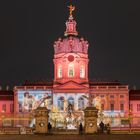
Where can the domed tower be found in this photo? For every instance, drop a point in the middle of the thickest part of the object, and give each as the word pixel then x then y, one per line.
pixel 71 55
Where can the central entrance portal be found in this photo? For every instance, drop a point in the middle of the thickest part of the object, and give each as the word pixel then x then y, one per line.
pixel 67 120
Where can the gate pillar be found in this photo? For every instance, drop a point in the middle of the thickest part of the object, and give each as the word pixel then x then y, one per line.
pixel 91 115
pixel 41 120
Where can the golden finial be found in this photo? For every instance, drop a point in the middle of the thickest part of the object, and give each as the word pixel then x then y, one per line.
pixel 71 9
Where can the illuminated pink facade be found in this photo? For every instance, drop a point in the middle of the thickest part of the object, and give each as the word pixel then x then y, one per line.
pixel 134 98
pixel 71 56
pixel 70 84
pixel 6 107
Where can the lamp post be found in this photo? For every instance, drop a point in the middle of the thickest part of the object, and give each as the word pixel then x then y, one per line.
pixel 130 119
pixel 101 115
pixel 2 117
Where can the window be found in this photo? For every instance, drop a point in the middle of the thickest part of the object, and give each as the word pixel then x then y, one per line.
pixel 80 103
pixel 61 103
pixel 138 107
pixel 59 72
pixel 20 96
pixel 112 107
pixel 71 70
pixel 4 107
pixel 111 96
pixel 121 96
pixel 82 72
pixel 122 107
pixel 39 96
pixel 102 96
pixel 11 108
pixel 92 96
pixel 71 101
pixel 102 106
pixel 20 107
pixel 131 107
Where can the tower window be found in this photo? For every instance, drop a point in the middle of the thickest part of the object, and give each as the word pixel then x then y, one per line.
pixel 82 72
pixel 59 72
pixel 71 70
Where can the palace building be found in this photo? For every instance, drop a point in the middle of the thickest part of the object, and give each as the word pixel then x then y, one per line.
pixel 70 92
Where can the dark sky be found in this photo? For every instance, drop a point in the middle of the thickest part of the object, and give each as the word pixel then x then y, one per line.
pixel 28 29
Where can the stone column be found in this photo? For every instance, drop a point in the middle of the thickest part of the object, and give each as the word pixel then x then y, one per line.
pixel 91 115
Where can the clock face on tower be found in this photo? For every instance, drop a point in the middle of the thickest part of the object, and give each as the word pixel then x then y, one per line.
pixel 71 58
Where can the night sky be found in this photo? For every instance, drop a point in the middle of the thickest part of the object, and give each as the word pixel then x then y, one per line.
pixel 28 29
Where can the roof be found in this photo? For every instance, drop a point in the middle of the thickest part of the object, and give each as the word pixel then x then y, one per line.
pixel 134 95
pixel 38 83
pixel 104 83
pixel 91 83
pixel 6 95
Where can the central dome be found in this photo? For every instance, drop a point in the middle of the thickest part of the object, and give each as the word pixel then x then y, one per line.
pixel 71 45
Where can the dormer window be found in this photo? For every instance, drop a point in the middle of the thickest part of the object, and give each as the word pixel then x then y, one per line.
pixel 71 70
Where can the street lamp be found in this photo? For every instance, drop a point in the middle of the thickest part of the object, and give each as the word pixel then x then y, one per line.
pixel 101 115
pixel 130 119
pixel 2 117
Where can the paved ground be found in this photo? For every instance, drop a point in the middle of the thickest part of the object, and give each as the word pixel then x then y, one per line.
pixel 71 137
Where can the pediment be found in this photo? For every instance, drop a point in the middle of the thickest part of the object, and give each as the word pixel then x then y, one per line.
pixel 71 85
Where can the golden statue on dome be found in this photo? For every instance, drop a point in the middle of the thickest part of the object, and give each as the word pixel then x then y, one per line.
pixel 71 9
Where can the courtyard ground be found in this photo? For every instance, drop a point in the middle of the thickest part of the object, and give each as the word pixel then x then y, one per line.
pixel 72 137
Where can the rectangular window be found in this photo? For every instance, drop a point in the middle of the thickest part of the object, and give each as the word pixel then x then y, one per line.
pixel 4 107
pixel 112 107
pixel 92 96
pixel 121 96
pixel 138 107
pixel 102 106
pixel 20 107
pixel 111 96
pixel 131 107
pixel 122 107
pixel 11 108
pixel 102 96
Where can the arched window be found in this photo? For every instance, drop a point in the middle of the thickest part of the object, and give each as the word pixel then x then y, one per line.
pixel 80 103
pixel 61 103
pixel 82 72
pixel 71 70
pixel 71 100
pixel 59 72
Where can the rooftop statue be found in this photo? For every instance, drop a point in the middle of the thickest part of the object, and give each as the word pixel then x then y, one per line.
pixel 71 9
